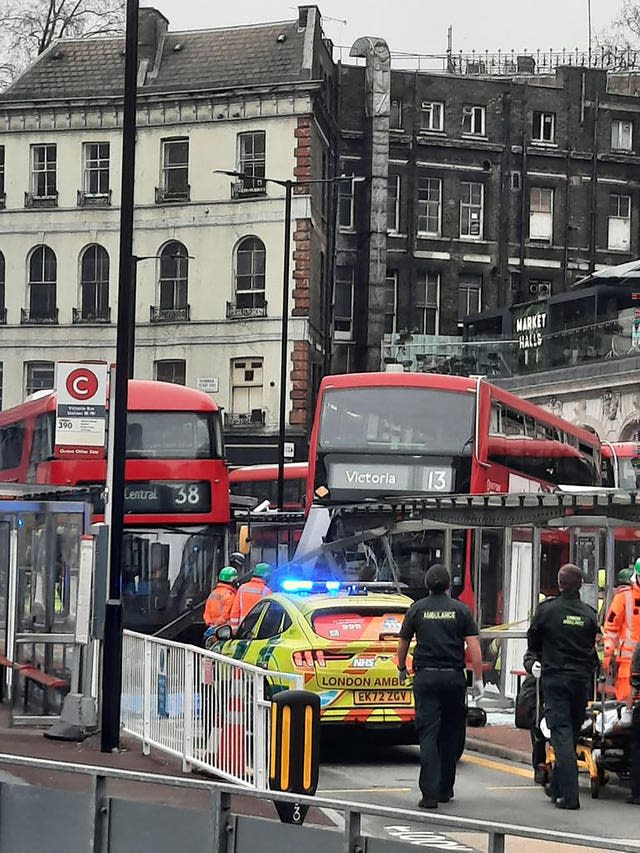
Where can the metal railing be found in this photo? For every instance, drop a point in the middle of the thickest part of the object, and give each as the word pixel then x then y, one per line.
pixel 209 710
pixel 218 823
pixel 505 63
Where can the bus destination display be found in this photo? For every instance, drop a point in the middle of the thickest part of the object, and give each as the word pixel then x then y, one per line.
pixel 389 477
pixel 170 496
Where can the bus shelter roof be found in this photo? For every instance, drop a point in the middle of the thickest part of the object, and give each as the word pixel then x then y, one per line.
pixel 44 492
pixel 587 508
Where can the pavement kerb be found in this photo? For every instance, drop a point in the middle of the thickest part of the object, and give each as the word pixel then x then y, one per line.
pixel 496 750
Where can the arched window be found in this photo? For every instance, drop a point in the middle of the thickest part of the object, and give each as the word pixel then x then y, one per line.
pixel 42 285
pixel 94 284
pixel 3 309
pixel 249 274
pixel 174 282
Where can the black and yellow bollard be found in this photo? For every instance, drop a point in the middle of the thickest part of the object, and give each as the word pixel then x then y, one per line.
pixel 295 749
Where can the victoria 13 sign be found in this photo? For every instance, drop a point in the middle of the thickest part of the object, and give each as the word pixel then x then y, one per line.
pixel 81 391
pixel 383 478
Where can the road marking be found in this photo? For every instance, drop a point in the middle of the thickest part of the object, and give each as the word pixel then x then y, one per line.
pixel 496 765
pixel 363 790
pixel 424 838
pixel 513 787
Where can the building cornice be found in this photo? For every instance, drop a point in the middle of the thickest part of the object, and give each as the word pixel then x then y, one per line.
pixel 161 108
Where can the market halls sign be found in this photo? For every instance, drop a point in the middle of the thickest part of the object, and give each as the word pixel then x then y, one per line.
pixel 529 329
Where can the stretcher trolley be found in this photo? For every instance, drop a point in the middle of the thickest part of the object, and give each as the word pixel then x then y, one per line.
pixel 604 745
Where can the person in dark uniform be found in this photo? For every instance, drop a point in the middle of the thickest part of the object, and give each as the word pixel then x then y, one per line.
pixel 562 639
pixel 442 626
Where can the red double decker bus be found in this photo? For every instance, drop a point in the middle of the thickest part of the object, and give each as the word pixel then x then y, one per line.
pixel 261 482
pixel 383 435
pixel 177 509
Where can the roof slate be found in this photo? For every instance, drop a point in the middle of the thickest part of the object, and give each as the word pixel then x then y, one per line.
pixel 206 59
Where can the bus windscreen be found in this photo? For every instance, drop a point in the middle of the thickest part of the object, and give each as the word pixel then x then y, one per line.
pixel 173 435
pixel 402 420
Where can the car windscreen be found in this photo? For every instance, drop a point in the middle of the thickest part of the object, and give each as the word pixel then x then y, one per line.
pixel 358 623
pixel 402 420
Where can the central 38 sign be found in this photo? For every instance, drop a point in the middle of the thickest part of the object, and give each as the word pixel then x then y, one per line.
pixel 81 391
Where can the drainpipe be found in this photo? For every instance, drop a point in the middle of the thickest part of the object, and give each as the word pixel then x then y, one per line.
pixel 377 107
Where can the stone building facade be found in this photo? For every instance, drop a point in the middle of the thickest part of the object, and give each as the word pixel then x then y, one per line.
pixel 257 99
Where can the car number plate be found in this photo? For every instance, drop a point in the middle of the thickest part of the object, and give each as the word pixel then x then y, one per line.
pixel 382 697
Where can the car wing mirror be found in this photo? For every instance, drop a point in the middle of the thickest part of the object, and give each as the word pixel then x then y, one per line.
pixel 223 633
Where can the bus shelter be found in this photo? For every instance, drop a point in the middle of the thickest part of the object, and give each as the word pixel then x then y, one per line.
pixel 503 552
pixel 46 568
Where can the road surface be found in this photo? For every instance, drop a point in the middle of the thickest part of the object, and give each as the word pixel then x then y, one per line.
pixel 364 770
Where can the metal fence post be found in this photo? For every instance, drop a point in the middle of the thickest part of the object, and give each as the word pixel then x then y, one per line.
pixel 146 699
pixel 221 825
pixel 99 841
pixel 352 832
pixel 187 710
pixel 260 718
pixel 496 842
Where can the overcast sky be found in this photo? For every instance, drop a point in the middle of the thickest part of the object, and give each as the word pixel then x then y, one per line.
pixel 418 26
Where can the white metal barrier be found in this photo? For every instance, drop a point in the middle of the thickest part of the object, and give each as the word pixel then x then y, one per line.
pixel 211 711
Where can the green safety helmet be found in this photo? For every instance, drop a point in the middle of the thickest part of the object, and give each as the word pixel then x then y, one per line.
pixel 261 570
pixel 228 575
pixel 636 571
pixel 624 576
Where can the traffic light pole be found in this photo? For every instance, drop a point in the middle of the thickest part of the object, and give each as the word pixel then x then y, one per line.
pixel 112 645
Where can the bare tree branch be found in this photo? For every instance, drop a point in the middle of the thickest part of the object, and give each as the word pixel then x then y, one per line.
pixel 29 27
pixel 622 37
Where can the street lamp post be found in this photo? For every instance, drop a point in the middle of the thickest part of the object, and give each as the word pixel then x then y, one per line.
pixel 112 642
pixel 286 266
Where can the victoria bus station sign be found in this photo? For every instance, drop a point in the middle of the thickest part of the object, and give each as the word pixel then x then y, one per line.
pixel 81 392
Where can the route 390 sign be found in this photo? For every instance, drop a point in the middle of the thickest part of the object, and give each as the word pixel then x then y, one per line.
pixel 81 390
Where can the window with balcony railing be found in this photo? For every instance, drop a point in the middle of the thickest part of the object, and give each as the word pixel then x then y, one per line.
pixel 246 393
pixel 42 288
pixel 250 266
pixel 95 190
pixel 94 287
pixel 173 306
pixel 251 161
pixel 3 196
pixel 175 171
pixel 44 191
pixel 3 309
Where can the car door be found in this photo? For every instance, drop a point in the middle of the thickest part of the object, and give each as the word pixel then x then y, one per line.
pixel 245 645
pixel 274 624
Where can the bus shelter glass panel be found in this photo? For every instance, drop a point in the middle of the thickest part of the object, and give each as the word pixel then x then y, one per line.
pixel 48 569
pixel 46 597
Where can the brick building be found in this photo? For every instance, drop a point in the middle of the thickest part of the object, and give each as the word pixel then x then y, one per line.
pixel 502 191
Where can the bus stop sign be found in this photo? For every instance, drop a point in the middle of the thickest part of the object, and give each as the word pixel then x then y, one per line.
pixel 81 391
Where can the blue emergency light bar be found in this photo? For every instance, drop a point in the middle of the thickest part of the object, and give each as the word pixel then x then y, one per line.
pixel 293 585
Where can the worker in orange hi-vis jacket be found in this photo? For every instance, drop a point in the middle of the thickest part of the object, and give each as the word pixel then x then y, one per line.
pixel 250 594
pixel 622 634
pixel 217 610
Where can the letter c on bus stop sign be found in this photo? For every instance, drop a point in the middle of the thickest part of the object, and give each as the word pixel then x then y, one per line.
pixel 82 384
